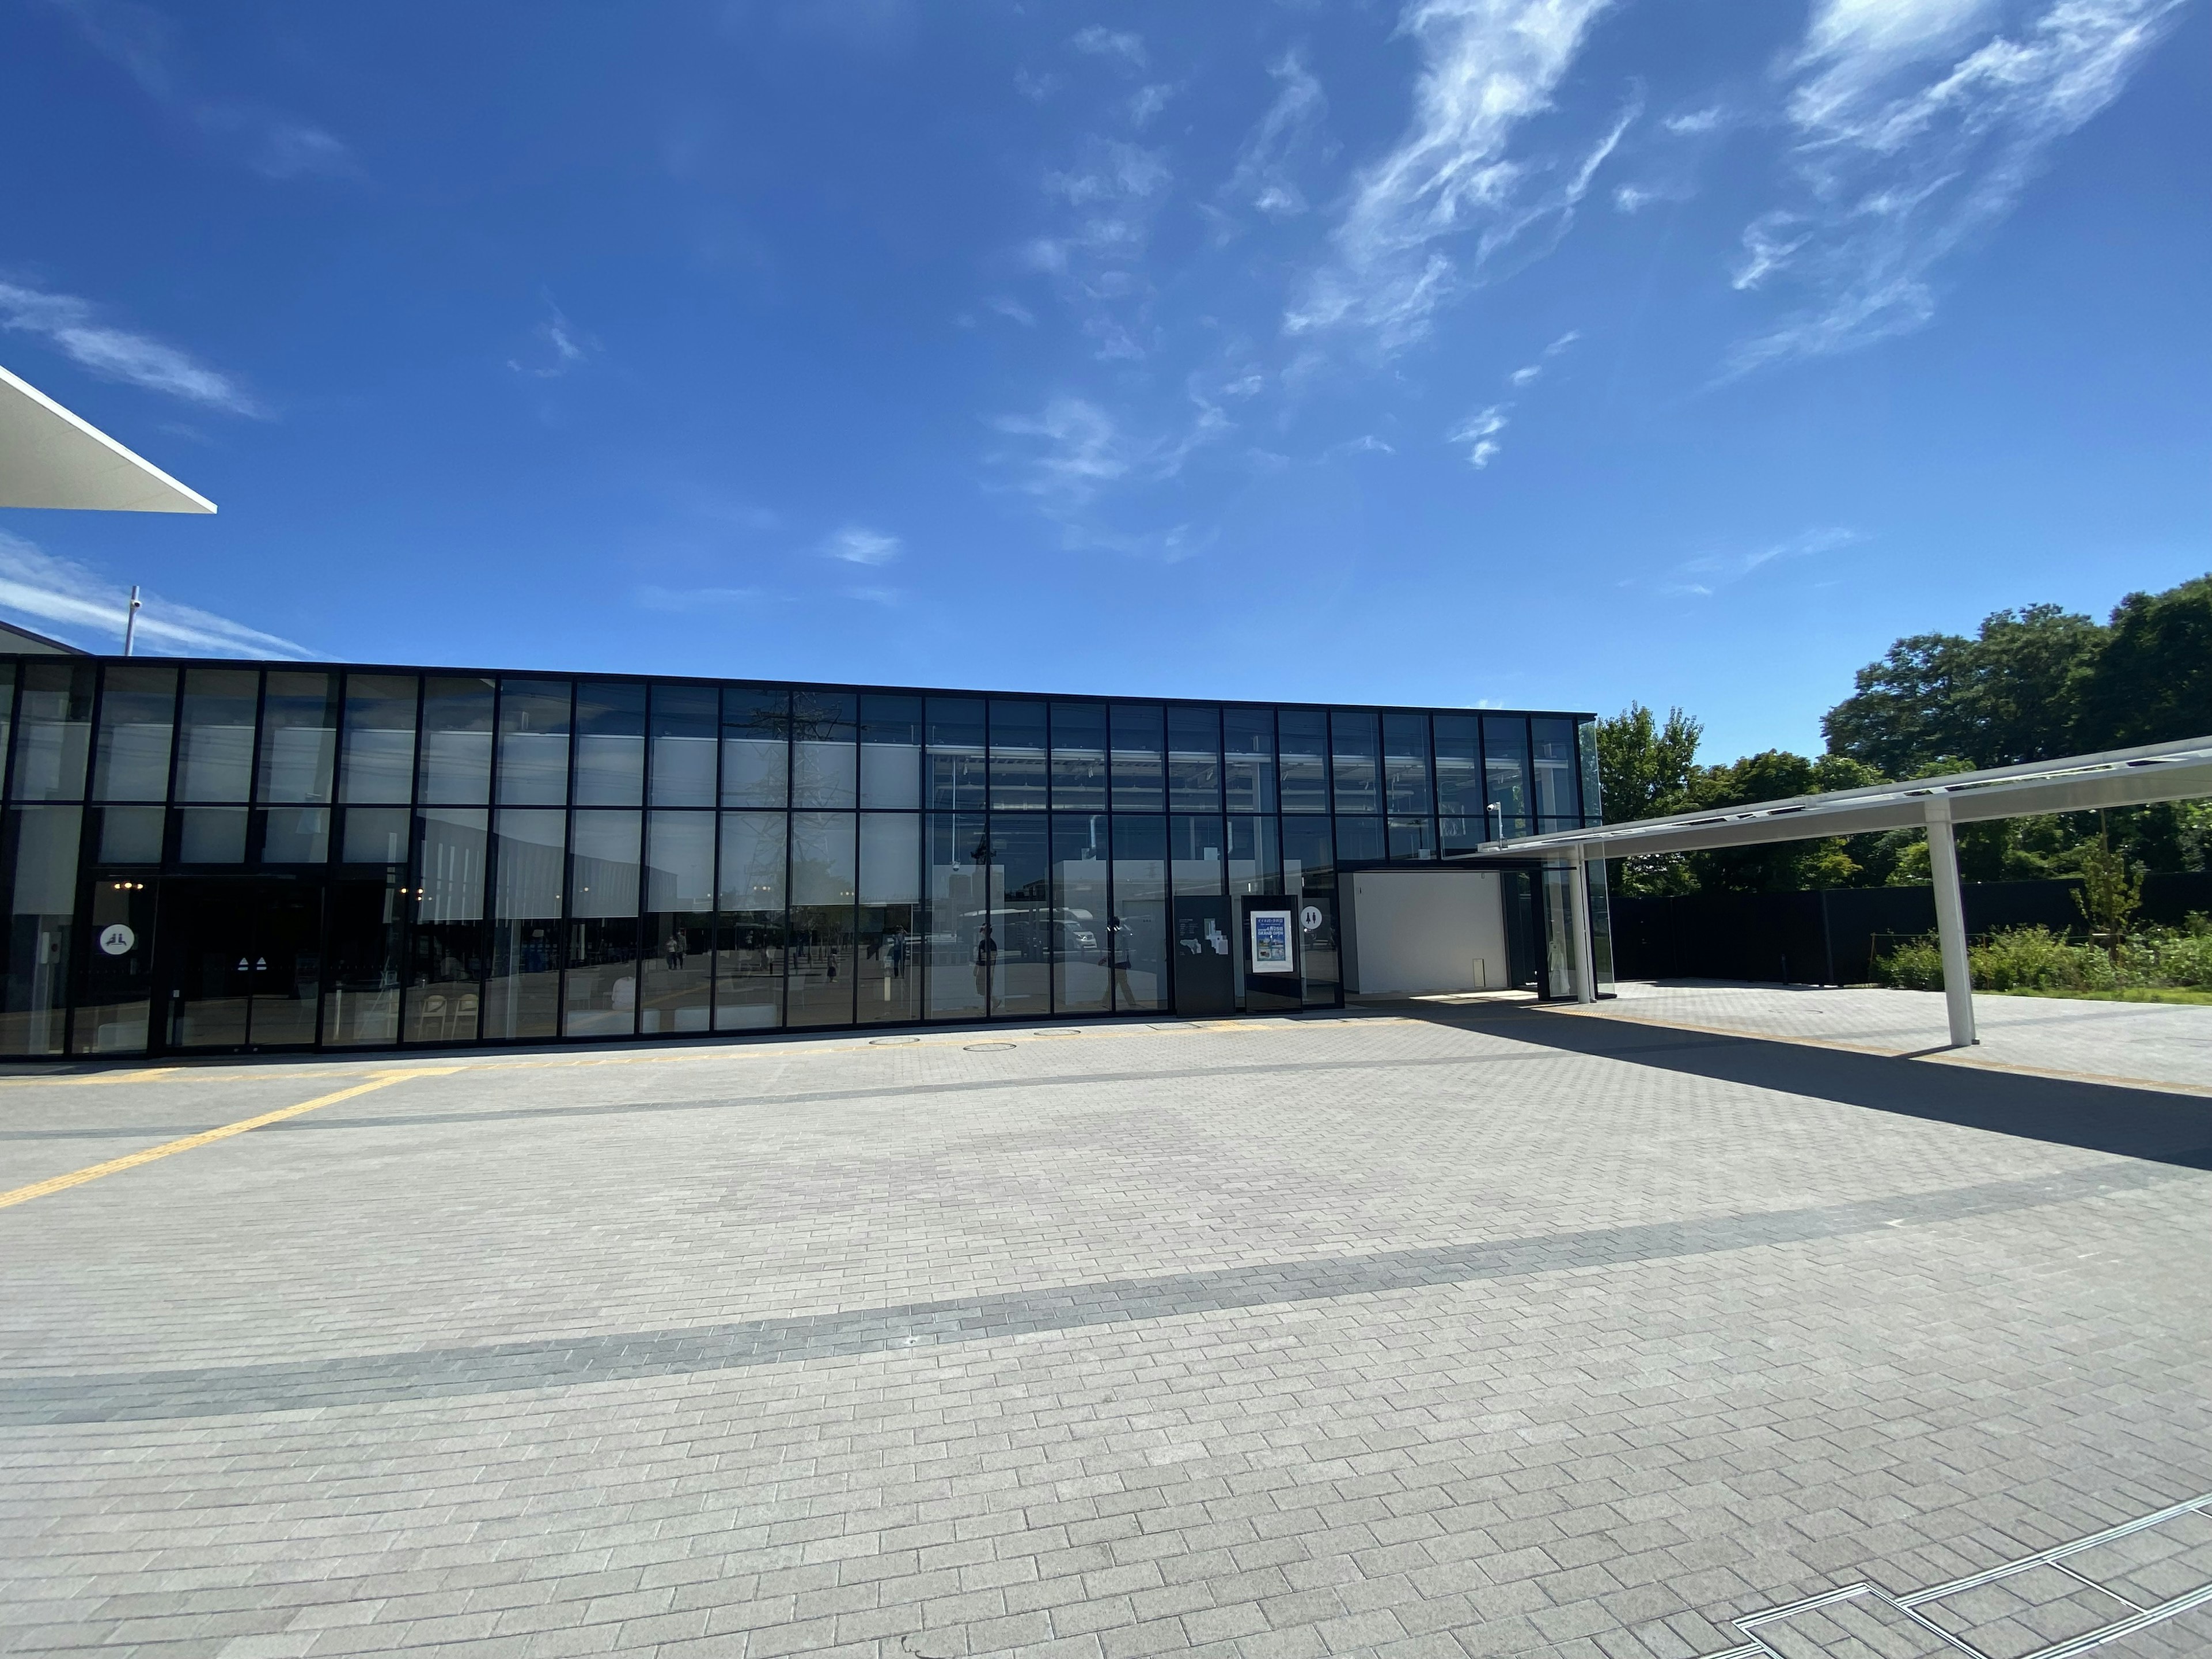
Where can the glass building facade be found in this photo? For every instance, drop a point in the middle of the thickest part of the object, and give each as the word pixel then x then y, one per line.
pixel 217 856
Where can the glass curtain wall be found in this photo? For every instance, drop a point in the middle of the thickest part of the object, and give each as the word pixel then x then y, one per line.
pixel 531 858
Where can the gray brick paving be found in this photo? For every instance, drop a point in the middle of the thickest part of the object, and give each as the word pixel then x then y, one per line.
pixel 1373 1336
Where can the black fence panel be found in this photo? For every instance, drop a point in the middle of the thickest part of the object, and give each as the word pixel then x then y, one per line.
pixel 1831 937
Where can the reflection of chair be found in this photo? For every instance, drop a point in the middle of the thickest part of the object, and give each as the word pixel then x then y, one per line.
pixel 433 1022
pixel 465 1015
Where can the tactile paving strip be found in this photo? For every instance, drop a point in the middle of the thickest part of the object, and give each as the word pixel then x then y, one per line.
pixel 2058 1601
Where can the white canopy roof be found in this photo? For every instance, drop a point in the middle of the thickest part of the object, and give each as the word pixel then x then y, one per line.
pixel 50 457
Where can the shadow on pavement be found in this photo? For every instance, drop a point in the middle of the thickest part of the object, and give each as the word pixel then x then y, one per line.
pixel 2101 1117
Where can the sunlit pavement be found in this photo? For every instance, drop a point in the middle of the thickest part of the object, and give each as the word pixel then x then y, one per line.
pixel 1429 1330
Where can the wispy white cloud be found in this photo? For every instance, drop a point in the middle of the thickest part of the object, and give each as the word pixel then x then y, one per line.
pixel 856 545
pixel 1693 122
pixel 1707 575
pixel 1071 453
pixel 119 354
pixel 1036 87
pixel 1011 309
pixel 1487 66
pixel 1123 47
pixel 1146 103
pixel 563 347
pixel 79 599
pixel 1917 124
pixel 1096 256
pixel 1263 178
pixel 143 43
pixel 1365 444
pixel 1530 373
pixel 1479 432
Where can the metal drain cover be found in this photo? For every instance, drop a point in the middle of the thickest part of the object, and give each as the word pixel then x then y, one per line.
pixel 985 1048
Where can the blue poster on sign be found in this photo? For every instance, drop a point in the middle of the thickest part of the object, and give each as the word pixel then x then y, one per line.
pixel 1271 942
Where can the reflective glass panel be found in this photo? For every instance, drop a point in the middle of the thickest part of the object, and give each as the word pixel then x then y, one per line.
pixel 137 717
pixel 299 738
pixel 1255 857
pixel 1557 766
pixel 214 757
pixel 1021 918
pixel 378 762
pixel 955 753
pixel 39 854
pixel 1301 736
pixel 375 834
pixel 749 930
pixel 1413 839
pixel 1196 847
pixel 1358 838
pixel 1405 764
pixel 610 744
pixel 1505 774
pixel 1139 926
pixel 132 835
pixel 533 742
pixel 823 759
pixel 1593 802
pixel 211 835
pixel 114 997
pixel 1018 757
pixel 890 914
pixel 599 991
pixel 362 1007
pixel 449 944
pixel 1353 756
pixel 7 703
pixel 1459 781
pixel 756 746
pixel 1079 756
pixel 890 753
pixel 523 998
pixel 676 987
pixel 1309 855
pixel 684 722
pixel 959 981
pixel 819 967
pixel 54 736
pixel 1194 760
pixel 456 741
pixel 295 835
pixel 1082 981
pixel 1247 737
pixel 1139 761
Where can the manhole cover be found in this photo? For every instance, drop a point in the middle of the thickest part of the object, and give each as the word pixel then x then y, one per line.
pixel 985 1048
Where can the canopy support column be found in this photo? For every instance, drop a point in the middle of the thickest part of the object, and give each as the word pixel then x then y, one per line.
pixel 1951 922
pixel 1579 917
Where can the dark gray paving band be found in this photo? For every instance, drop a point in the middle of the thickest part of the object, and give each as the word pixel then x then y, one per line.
pixel 968 1085
pixel 445 1373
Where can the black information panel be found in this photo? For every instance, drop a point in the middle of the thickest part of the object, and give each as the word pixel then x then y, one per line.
pixel 1204 972
pixel 1267 939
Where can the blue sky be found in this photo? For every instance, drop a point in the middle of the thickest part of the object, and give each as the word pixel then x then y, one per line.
pixel 1543 353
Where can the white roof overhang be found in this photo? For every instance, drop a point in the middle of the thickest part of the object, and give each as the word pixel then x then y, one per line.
pixel 2081 783
pixel 51 457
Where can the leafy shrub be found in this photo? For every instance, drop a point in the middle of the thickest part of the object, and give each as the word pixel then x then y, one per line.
pixel 2038 959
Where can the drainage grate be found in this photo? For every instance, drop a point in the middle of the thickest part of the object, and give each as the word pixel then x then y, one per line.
pixel 2056 1602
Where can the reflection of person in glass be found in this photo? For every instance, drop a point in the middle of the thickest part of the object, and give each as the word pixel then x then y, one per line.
pixel 1118 943
pixel 675 949
pixel 987 958
pixel 895 948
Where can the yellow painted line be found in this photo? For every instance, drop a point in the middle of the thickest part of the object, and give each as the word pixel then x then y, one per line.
pixel 169 1149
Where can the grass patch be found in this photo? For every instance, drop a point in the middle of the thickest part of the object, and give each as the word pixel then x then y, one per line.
pixel 2132 994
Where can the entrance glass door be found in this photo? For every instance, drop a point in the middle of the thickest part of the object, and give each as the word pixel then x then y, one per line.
pixel 242 963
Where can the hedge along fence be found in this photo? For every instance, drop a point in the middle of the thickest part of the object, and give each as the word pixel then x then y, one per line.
pixel 2038 959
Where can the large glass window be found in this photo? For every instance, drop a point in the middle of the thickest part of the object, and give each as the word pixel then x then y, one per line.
pixel 1255 856
pixel 1359 838
pixel 1352 757
pixel 610 744
pixel 114 998
pixel 523 998
pixel 684 718
pixel 1021 913
pixel 819 965
pixel 447 945
pixel 1405 764
pixel 299 738
pixel 955 754
pixel 1139 923
pixel 1459 781
pixel 1139 758
pixel 1303 738
pixel 137 717
pixel 1082 981
pixel 1505 774
pixel 39 858
pixel 600 994
pixel 1586 745
pixel 7 703
pixel 1194 760
pixel 749 929
pixel 678 980
pixel 890 755
pixel 215 759
pixel 456 741
pixel 1196 846
pixel 1018 757
pixel 1557 764
pixel 756 747
pixel 54 734
pixel 1247 737
pixel 1079 756
pixel 1309 855
pixel 533 742
pixel 959 982
pixel 378 763
pixel 890 922
pixel 1412 840
pixel 363 942
pixel 823 759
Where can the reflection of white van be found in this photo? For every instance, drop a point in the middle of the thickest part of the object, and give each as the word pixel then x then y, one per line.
pixel 1068 934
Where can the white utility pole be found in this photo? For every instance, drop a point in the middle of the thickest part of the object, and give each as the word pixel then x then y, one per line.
pixel 1951 922
pixel 131 621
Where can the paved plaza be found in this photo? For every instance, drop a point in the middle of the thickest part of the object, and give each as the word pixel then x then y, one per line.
pixel 1429 1329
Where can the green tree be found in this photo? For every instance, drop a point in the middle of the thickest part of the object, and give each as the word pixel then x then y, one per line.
pixel 2153 681
pixel 1644 770
pixel 1788 865
pixel 2112 893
